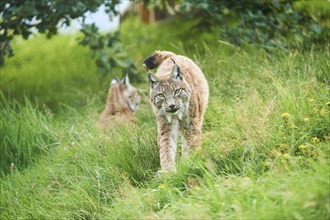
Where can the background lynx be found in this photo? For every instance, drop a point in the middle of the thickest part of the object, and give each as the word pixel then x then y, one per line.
pixel 122 101
pixel 179 95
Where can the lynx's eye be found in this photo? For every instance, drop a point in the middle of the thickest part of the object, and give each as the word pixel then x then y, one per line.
pixel 177 91
pixel 160 96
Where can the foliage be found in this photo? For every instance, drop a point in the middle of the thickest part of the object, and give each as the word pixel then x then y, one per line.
pixel 108 51
pixel 20 17
pixel 267 24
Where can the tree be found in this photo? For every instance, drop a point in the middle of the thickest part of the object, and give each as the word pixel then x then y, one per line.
pixel 108 51
pixel 19 17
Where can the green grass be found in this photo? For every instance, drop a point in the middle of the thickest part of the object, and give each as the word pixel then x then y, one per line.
pixel 265 151
pixel 26 133
pixel 318 9
pixel 55 72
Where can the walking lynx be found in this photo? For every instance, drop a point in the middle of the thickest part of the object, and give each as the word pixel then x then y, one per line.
pixel 179 95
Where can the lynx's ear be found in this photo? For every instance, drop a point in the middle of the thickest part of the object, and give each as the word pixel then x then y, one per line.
pixel 114 81
pixel 176 73
pixel 153 80
pixel 125 80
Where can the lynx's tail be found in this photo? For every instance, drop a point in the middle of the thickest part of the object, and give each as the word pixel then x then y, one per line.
pixel 156 59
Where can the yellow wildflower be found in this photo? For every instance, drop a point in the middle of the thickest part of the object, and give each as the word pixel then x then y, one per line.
pixel 287 156
pixel 293 126
pixel 283 145
pixel 302 146
pixel 310 100
pixel 306 119
pixel 277 154
pixel 285 115
pixel 161 186
pixel 322 112
pixel 315 140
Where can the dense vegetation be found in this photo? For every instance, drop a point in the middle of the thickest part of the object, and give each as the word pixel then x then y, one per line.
pixel 268 24
pixel 265 151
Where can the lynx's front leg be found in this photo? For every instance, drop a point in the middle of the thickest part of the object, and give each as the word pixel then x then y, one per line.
pixel 167 142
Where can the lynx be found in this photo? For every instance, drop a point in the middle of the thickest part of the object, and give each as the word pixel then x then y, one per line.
pixel 121 103
pixel 179 95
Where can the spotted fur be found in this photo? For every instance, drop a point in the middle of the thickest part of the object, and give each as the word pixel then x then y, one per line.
pixel 122 102
pixel 179 95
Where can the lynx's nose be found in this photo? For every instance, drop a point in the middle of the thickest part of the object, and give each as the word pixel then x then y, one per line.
pixel 171 107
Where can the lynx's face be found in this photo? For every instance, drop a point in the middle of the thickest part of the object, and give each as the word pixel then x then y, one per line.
pixel 124 94
pixel 131 97
pixel 170 96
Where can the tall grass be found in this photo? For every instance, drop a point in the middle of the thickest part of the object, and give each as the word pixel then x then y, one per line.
pixel 81 178
pixel 26 134
pixel 265 145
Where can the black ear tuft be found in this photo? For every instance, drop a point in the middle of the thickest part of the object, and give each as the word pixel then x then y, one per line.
pixel 150 62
